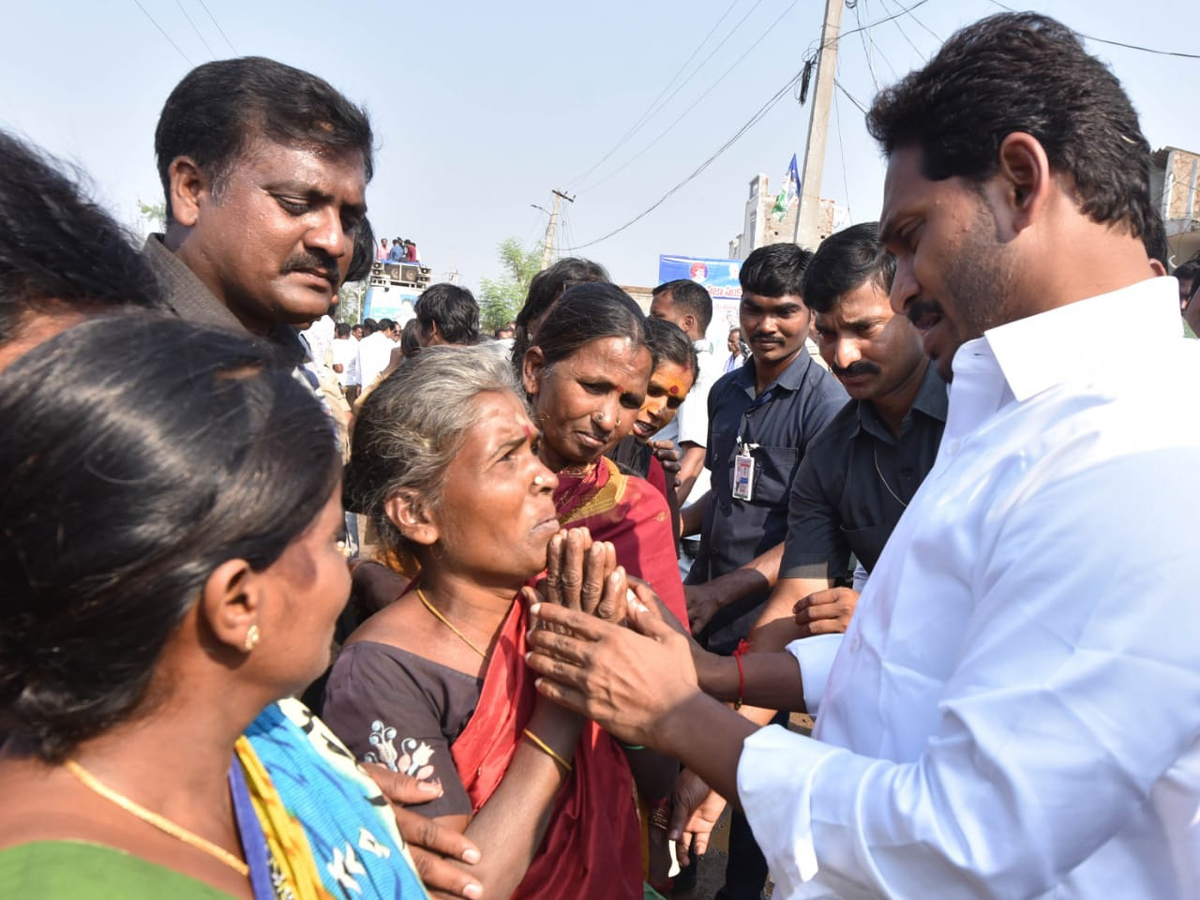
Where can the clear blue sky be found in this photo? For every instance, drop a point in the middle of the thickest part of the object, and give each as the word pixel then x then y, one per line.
pixel 481 108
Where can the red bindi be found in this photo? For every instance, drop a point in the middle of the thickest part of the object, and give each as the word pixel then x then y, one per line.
pixel 674 389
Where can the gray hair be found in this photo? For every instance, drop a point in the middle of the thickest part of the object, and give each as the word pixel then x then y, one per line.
pixel 413 424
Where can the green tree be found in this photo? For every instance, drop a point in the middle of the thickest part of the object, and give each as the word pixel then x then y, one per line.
pixel 154 213
pixel 501 299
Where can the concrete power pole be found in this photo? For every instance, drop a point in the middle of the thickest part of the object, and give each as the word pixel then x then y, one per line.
pixel 548 247
pixel 818 127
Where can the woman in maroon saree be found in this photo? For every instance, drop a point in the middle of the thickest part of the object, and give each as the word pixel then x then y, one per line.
pixel 586 374
pixel 435 684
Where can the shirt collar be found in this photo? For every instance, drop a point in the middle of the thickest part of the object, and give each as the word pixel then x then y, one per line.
pixel 1040 351
pixel 790 379
pixel 932 400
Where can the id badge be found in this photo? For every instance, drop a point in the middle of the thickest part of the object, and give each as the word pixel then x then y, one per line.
pixel 743 476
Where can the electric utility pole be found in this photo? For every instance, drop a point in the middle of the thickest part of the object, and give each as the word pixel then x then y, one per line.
pixel 818 127
pixel 548 246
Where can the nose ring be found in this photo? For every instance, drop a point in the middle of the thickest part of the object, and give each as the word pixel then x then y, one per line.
pixel 538 480
pixel 600 417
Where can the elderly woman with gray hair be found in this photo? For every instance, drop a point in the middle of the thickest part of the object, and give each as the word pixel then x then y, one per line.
pixel 445 462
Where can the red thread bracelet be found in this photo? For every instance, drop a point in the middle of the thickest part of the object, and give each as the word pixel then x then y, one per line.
pixel 742 647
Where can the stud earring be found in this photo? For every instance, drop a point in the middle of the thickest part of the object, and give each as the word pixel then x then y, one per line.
pixel 252 638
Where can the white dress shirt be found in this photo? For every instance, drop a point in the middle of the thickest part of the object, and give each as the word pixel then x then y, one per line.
pixel 1015 709
pixel 345 354
pixel 374 354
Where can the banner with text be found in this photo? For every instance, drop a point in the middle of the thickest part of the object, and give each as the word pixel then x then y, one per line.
pixel 720 278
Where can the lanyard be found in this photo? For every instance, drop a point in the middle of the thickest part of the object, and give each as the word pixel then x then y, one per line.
pixel 761 400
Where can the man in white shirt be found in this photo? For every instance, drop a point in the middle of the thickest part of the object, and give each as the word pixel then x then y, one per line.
pixel 375 349
pixel 345 361
pixel 1014 710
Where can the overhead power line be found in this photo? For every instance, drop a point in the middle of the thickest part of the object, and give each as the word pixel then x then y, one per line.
pixel 753 46
pixel 753 120
pixel 164 34
pixel 218 26
pixel 179 3
pixel 1117 43
pixel 648 112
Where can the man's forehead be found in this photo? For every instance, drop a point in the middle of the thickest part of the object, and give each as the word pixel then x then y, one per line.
pixel 763 301
pixel 903 183
pixel 302 161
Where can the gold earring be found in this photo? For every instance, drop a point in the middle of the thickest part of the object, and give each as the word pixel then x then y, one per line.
pixel 252 638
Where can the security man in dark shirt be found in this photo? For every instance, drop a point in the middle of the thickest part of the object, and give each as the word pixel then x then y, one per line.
pixel 859 474
pixel 762 417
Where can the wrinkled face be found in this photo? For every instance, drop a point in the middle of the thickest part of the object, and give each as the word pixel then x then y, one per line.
pixel 497 470
pixel 774 327
pixel 870 349
pixel 588 400
pixel 668 388
pixel 732 343
pixel 276 240
pixel 312 581
pixel 953 275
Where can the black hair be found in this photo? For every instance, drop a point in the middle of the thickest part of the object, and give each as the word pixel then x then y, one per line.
pixel 776 270
pixel 668 343
pixel 410 339
pixel 220 107
pixel 58 249
pixel 363 256
pixel 385 325
pixel 585 313
pixel 1029 73
pixel 691 296
pixel 844 261
pixel 369 326
pixel 164 450
pixel 453 309
pixel 342 329
pixel 544 290
pixel 1189 270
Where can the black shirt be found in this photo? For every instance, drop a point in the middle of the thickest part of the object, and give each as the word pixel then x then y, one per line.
pixel 857 480
pixel 780 422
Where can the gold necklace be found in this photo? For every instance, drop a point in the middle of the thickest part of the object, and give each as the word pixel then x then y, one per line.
pixel 152 818
pixel 466 640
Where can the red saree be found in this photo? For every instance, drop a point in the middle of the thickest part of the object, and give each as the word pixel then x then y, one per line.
pixel 631 514
pixel 592 845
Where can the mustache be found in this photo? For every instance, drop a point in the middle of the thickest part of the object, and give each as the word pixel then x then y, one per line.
pixel 922 313
pixel 767 338
pixel 862 367
pixel 321 262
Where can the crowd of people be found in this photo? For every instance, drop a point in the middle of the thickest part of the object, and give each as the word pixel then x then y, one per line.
pixel 292 608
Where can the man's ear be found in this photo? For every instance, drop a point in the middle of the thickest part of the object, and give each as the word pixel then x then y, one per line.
pixel 231 603
pixel 532 369
pixel 412 518
pixel 188 185
pixel 1024 178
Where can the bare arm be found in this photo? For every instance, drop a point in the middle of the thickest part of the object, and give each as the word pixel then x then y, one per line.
pixel 509 828
pixel 706 600
pixel 690 466
pixel 692 518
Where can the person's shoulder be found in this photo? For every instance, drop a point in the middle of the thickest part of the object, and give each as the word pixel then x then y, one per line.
pixel 833 438
pixel 69 868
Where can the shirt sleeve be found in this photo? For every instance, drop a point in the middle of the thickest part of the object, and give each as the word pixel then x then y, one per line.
pixel 814 546
pixel 384 714
pixel 1076 689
